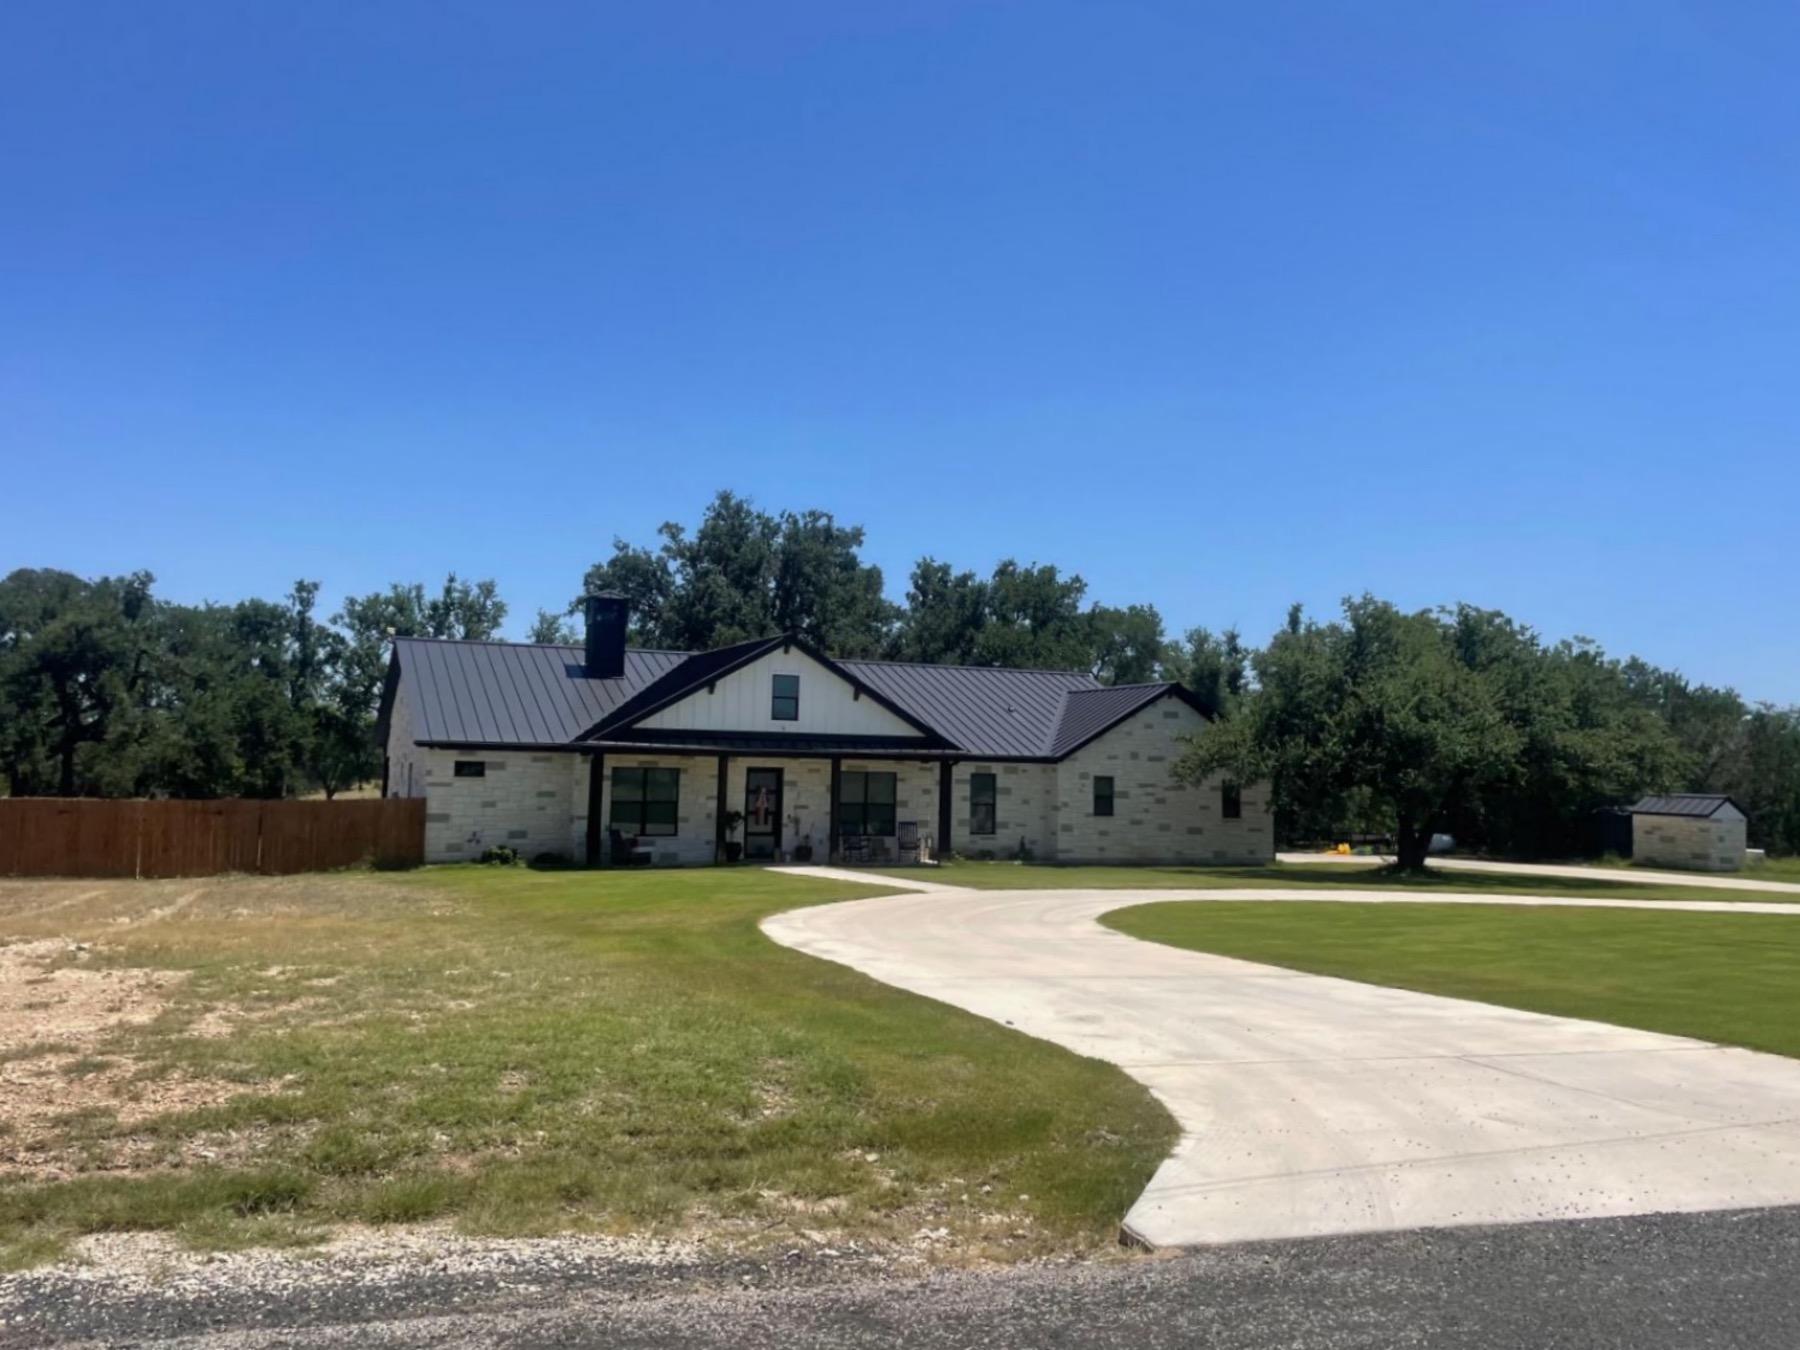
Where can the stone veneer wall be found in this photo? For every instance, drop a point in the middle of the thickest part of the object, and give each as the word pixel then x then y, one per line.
pixel 523 801
pixel 1155 819
pixel 1024 808
pixel 693 840
pixel 406 761
pixel 537 802
pixel 1711 845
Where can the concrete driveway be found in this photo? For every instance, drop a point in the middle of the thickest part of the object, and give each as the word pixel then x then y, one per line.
pixel 1313 1106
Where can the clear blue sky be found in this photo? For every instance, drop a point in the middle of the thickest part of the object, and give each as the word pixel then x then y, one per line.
pixel 1222 306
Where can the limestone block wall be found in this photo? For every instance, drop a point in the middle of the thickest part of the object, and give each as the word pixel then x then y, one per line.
pixel 522 800
pixel 1155 819
pixel 693 840
pixel 1710 845
pixel 406 761
pixel 1024 808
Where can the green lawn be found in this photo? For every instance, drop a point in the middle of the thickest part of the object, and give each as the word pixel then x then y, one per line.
pixel 1034 876
pixel 533 1052
pixel 1775 869
pixel 1721 977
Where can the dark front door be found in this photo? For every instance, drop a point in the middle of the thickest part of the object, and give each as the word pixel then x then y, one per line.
pixel 762 813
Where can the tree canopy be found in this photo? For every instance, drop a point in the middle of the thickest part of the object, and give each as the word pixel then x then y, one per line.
pixel 1465 721
pixel 1379 720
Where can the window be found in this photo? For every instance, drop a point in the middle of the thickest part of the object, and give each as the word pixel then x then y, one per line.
pixel 981 804
pixel 784 704
pixel 1103 795
pixel 645 801
pixel 866 803
pixel 1231 801
pixel 471 768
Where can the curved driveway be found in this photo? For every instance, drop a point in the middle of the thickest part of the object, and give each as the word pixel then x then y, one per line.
pixel 1311 1105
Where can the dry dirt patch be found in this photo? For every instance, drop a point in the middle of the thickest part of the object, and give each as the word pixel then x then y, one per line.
pixel 57 1009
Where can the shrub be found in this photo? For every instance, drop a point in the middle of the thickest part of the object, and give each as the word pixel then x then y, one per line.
pixel 500 855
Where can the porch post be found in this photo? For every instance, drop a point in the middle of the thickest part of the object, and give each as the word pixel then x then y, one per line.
pixel 837 777
pixel 596 784
pixel 942 845
pixel 720 805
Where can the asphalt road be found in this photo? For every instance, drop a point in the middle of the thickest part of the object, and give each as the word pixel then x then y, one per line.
pixel 1679 1282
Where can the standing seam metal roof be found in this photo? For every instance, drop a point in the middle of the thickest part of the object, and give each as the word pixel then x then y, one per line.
pixel 1698 805
pixel 505 693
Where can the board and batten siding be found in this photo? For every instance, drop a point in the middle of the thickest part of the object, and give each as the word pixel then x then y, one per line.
pixel 741 701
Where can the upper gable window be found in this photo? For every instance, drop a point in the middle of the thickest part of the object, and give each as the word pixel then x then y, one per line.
pixel 784 702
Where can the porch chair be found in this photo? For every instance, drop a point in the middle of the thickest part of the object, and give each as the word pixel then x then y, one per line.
pixel 630 852
pixel 907 842
pixel 854 848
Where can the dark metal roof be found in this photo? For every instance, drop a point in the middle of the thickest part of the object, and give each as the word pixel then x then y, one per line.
pixel 504 693
pixel 1088 712
pixel 987 712
pixel 1698 805
pixel 501 693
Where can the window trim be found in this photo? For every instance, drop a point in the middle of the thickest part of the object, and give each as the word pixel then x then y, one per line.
pixel 864 802
pixel 991 801
pixel 642 800
pixel 468 768
pixel 1108 797
pixel 1231 801
pixel 777 699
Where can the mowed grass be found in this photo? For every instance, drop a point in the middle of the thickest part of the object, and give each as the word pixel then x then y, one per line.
pixel 530 1052
pixel 1733 978
pixel 1614 885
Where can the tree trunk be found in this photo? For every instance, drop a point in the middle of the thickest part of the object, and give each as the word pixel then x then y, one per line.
pixel 1414 842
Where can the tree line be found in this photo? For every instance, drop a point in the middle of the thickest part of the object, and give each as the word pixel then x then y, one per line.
pixel 1460 720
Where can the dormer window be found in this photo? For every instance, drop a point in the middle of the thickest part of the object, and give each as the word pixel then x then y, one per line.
pixel 784 702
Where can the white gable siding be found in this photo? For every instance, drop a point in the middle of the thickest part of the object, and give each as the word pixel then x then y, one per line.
pixel 741 700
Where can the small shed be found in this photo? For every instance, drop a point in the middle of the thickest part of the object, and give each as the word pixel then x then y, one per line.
pixel 1698 831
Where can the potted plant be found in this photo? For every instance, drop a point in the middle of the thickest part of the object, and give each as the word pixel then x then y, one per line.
pixel 733 849
pixel 803 851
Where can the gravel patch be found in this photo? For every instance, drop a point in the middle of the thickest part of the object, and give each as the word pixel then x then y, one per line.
pixel 1673 1282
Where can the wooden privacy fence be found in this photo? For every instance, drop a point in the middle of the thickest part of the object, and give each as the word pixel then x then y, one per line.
pixel 85 837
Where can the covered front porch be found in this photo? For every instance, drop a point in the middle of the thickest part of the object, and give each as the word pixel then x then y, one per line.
pixel 690 806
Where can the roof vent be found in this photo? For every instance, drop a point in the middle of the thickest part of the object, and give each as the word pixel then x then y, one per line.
pixel 607 614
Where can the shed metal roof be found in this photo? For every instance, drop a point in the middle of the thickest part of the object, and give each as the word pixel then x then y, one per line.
pixel 1698 805
pixel 506 693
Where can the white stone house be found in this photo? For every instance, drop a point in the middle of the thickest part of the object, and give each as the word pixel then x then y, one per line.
pixel 601 750
pixel 1703 832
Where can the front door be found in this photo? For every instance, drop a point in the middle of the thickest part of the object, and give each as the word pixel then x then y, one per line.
pixel 762 813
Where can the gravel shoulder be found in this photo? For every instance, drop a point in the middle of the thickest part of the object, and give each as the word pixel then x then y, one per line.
pixel 1674 1282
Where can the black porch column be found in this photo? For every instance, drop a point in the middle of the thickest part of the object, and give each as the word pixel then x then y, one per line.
pixel 720 806
pixel 944 810
pixel 831 830
pixel 596 784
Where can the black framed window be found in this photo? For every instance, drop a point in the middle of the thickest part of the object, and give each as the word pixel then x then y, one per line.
pixel 1103 795
pixel 471 768
pixel 645 801
pixel 784 702
pixel 1231 801
pixel 865 803
pixel 982 804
